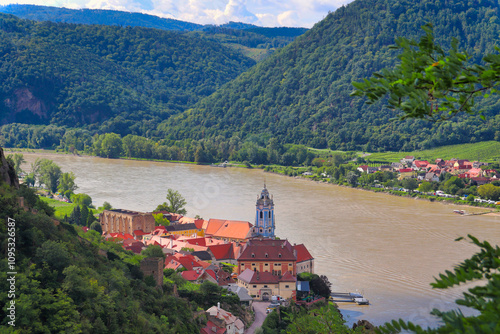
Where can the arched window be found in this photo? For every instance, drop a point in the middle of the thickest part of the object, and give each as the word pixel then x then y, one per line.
pixel 261 215
pixel 269 214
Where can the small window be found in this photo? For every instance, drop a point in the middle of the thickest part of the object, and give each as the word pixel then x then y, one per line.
pixel 267 264
pixel 242 264
pixel 287 286
pixel 253 254
pixel 279 255
pixel 261 215
pixel 269 214
pixel 254 286
pixel 267 255
pixel 253 264
pixel 265 286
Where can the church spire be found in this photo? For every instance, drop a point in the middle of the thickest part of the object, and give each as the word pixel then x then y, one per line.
pixel 264 217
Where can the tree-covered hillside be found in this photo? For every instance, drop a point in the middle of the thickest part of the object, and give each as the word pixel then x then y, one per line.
pixel 252 41
pixel 97 16
pixel 110 78
pixel 301 94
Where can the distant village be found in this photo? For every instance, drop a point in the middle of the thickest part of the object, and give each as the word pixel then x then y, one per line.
pixel 264 268
pixel 423 170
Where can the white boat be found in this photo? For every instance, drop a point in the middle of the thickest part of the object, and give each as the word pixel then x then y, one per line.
pixel 361 301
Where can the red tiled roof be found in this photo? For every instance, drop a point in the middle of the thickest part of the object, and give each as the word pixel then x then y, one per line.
pixel 288 277
pixel 191 275
pixel 139 232
pixel 224 251
pixel 405 170
pixel 197 241
pixel 235 229
pixel 267 249
pixel 213 226
pixel 208 329
pixel 302 253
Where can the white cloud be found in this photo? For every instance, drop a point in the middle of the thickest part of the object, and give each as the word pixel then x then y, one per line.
pixel 271 13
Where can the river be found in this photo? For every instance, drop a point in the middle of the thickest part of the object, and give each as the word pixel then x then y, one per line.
pixel 387 247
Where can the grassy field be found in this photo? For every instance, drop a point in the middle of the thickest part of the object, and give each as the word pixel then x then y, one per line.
pixel 62 208
pixel 488 151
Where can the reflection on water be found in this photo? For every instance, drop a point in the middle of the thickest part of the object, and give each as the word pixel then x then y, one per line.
pixel 388 247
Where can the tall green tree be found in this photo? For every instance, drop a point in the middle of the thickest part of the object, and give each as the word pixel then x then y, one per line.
pixel 49 174
pixel 175 203
pixel 67 184
pixel 111 145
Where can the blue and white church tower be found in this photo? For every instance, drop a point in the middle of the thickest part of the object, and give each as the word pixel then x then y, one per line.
pixel 264 216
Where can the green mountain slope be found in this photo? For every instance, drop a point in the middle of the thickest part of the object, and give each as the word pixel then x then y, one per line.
pixel 97 16
pixel 252 41
pixel 110 78
pixel 301 94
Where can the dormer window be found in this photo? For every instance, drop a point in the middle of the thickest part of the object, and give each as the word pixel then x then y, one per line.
pixel 253 255
pixel 279 255
pixel 267 255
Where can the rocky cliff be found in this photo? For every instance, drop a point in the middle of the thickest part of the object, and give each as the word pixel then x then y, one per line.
pixel 7 172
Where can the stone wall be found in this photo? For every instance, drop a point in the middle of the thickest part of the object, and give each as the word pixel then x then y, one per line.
pixel 125 221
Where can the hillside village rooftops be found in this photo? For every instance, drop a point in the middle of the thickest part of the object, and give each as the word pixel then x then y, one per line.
pixel 180 227
pixel 233 229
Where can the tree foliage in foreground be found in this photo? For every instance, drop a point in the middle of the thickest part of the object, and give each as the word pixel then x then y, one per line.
pixel 430 83
pixel 485 298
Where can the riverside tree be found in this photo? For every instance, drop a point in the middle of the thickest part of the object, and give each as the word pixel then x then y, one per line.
pixel 175 203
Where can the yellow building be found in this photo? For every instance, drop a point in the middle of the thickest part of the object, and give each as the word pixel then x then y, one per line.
pixel 263 285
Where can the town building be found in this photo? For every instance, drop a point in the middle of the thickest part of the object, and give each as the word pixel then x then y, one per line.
pixel 126 221
pixel 263 285
pixel 264 215
pixel 268 255
pixel 305 261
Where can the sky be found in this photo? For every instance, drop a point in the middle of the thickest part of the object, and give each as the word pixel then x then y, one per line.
pixel 266 13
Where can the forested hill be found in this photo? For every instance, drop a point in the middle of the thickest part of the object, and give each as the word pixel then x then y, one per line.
pixel 251 40
pixel 97 16
pixel 301 94
pixel 109 78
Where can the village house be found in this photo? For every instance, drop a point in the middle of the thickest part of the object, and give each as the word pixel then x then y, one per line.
pixel 406 173
pixel 419 165
pixel 224 253
pixel 407 160
pixel 367 169
pixel 221 322
pixel 126 221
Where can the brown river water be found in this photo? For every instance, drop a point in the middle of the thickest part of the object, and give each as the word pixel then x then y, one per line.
pixel 387 247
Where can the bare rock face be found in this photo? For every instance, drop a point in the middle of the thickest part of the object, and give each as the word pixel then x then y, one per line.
pixel 7 172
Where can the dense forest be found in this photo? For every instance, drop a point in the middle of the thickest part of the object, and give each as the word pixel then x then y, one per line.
pixel 97 16
pixel 189 90
pixel 301 94
pixel 105 77
pixel 240 36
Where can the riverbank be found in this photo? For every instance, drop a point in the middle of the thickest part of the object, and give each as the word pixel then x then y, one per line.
pixel 299 170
